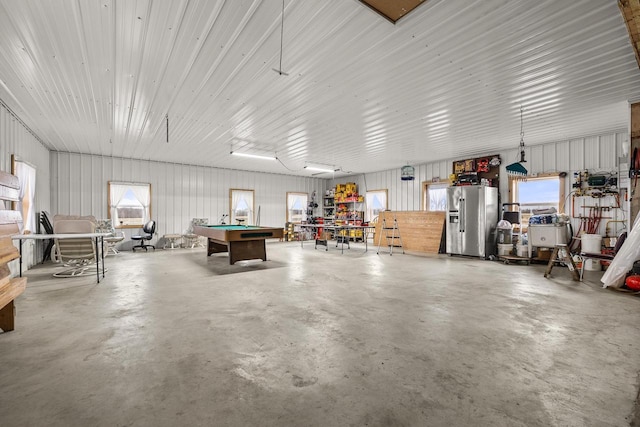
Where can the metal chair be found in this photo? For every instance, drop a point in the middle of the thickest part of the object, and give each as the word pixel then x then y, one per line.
pixel 77 255
pixel 106 226
pixel 192 240
pixel 149 230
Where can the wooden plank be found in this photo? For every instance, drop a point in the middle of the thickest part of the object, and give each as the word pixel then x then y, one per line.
pixel 8 254
pixel 11 291
pixel 11 194
pixel 10 217
pixel 393 10
pixel 630 10
pixel 635 120
pixel 421 231
pixel 9 180
pixel 10 223
pixel 7 317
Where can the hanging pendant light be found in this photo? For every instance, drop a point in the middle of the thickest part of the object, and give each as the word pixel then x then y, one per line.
pixel 517 170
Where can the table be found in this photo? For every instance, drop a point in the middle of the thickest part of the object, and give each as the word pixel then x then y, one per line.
pixel 243 242
pixel 98 239
pixel 337 229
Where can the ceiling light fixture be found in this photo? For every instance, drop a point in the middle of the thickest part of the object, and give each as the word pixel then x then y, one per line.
pixel 254 156
pixel 517 170
pixel 319 169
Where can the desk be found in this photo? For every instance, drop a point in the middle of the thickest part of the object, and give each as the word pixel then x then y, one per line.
pixel 337 229
pixel 243 242
pixel 98 238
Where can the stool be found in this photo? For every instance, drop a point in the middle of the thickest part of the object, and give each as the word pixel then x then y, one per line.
pixel 171 238
pixel 191 241
pixel 561 254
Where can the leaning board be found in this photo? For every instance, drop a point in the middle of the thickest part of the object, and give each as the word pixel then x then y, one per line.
pixel 421 231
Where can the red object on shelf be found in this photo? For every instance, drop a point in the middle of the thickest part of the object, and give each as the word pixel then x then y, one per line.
pixel 321 229
pixel 633 282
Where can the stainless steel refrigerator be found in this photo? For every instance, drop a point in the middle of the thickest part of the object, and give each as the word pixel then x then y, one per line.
pixel 472 217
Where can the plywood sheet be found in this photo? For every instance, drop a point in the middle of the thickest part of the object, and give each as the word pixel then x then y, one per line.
pixel 631 13
pixel 421 231
pixel 635 120
pixel 393 10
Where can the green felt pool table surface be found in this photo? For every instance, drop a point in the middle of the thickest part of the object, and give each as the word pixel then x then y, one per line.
pixel 233 227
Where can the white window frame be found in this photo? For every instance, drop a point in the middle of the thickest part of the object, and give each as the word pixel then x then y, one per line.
pixel 116 190
pixel 426 200
pixel 372 211
pixel 26 174
pixel 244 197
pixel 292 198
pixel 525 210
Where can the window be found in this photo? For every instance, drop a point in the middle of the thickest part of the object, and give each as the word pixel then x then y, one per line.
pixel 542 192
pixel 376 201
pixel 26 205
pixel 297 207
pixel 129 204
pixel 241 206
pixel 434 196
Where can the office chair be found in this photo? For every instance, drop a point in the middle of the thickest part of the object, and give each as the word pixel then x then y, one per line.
pixel 602 257
pixel 149 229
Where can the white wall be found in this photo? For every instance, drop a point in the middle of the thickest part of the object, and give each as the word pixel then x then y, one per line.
pixel 178 192
pixel 17 140
pixel 595 153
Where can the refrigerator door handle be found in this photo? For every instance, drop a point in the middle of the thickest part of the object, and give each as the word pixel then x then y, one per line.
pixel 462 214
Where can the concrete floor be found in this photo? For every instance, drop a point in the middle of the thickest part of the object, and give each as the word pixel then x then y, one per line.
pixel 315 338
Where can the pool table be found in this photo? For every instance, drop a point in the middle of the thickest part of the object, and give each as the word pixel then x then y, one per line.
pixel 241 241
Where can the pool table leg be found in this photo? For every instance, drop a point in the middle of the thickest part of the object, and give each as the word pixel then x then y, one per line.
pixel 247 249
pixel 216 247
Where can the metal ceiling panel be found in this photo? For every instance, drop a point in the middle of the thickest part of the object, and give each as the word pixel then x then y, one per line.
pixel 447 81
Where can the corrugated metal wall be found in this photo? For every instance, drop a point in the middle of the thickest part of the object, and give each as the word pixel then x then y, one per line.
pixel 595 153
pixel 17 140
pixel 178 192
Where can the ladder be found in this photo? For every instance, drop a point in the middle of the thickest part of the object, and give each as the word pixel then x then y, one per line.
pixel 561 254
pixel 391 235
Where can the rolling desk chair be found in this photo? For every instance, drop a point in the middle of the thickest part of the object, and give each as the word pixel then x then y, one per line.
pixel 149 230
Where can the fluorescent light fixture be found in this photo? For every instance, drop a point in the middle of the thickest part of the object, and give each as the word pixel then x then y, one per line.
pixel 254 156
pixel 319 169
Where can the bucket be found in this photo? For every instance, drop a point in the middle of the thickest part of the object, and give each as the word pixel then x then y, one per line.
pixel 522 251
pixel 592 244
pixel 505 235
pixel 504 249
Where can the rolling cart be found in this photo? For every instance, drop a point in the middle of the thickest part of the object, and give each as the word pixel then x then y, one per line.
pixel 511 213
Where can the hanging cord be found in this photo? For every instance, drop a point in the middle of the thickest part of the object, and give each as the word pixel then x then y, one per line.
pixel 521 136
pixel 285 166
pixel 279 70
pixel 281 34
pixel 167 117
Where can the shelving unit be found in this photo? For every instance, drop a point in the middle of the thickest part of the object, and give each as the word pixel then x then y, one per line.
pixel 328 208
pixel 349 208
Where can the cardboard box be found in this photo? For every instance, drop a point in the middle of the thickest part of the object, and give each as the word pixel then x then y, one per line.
pixel 544 253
